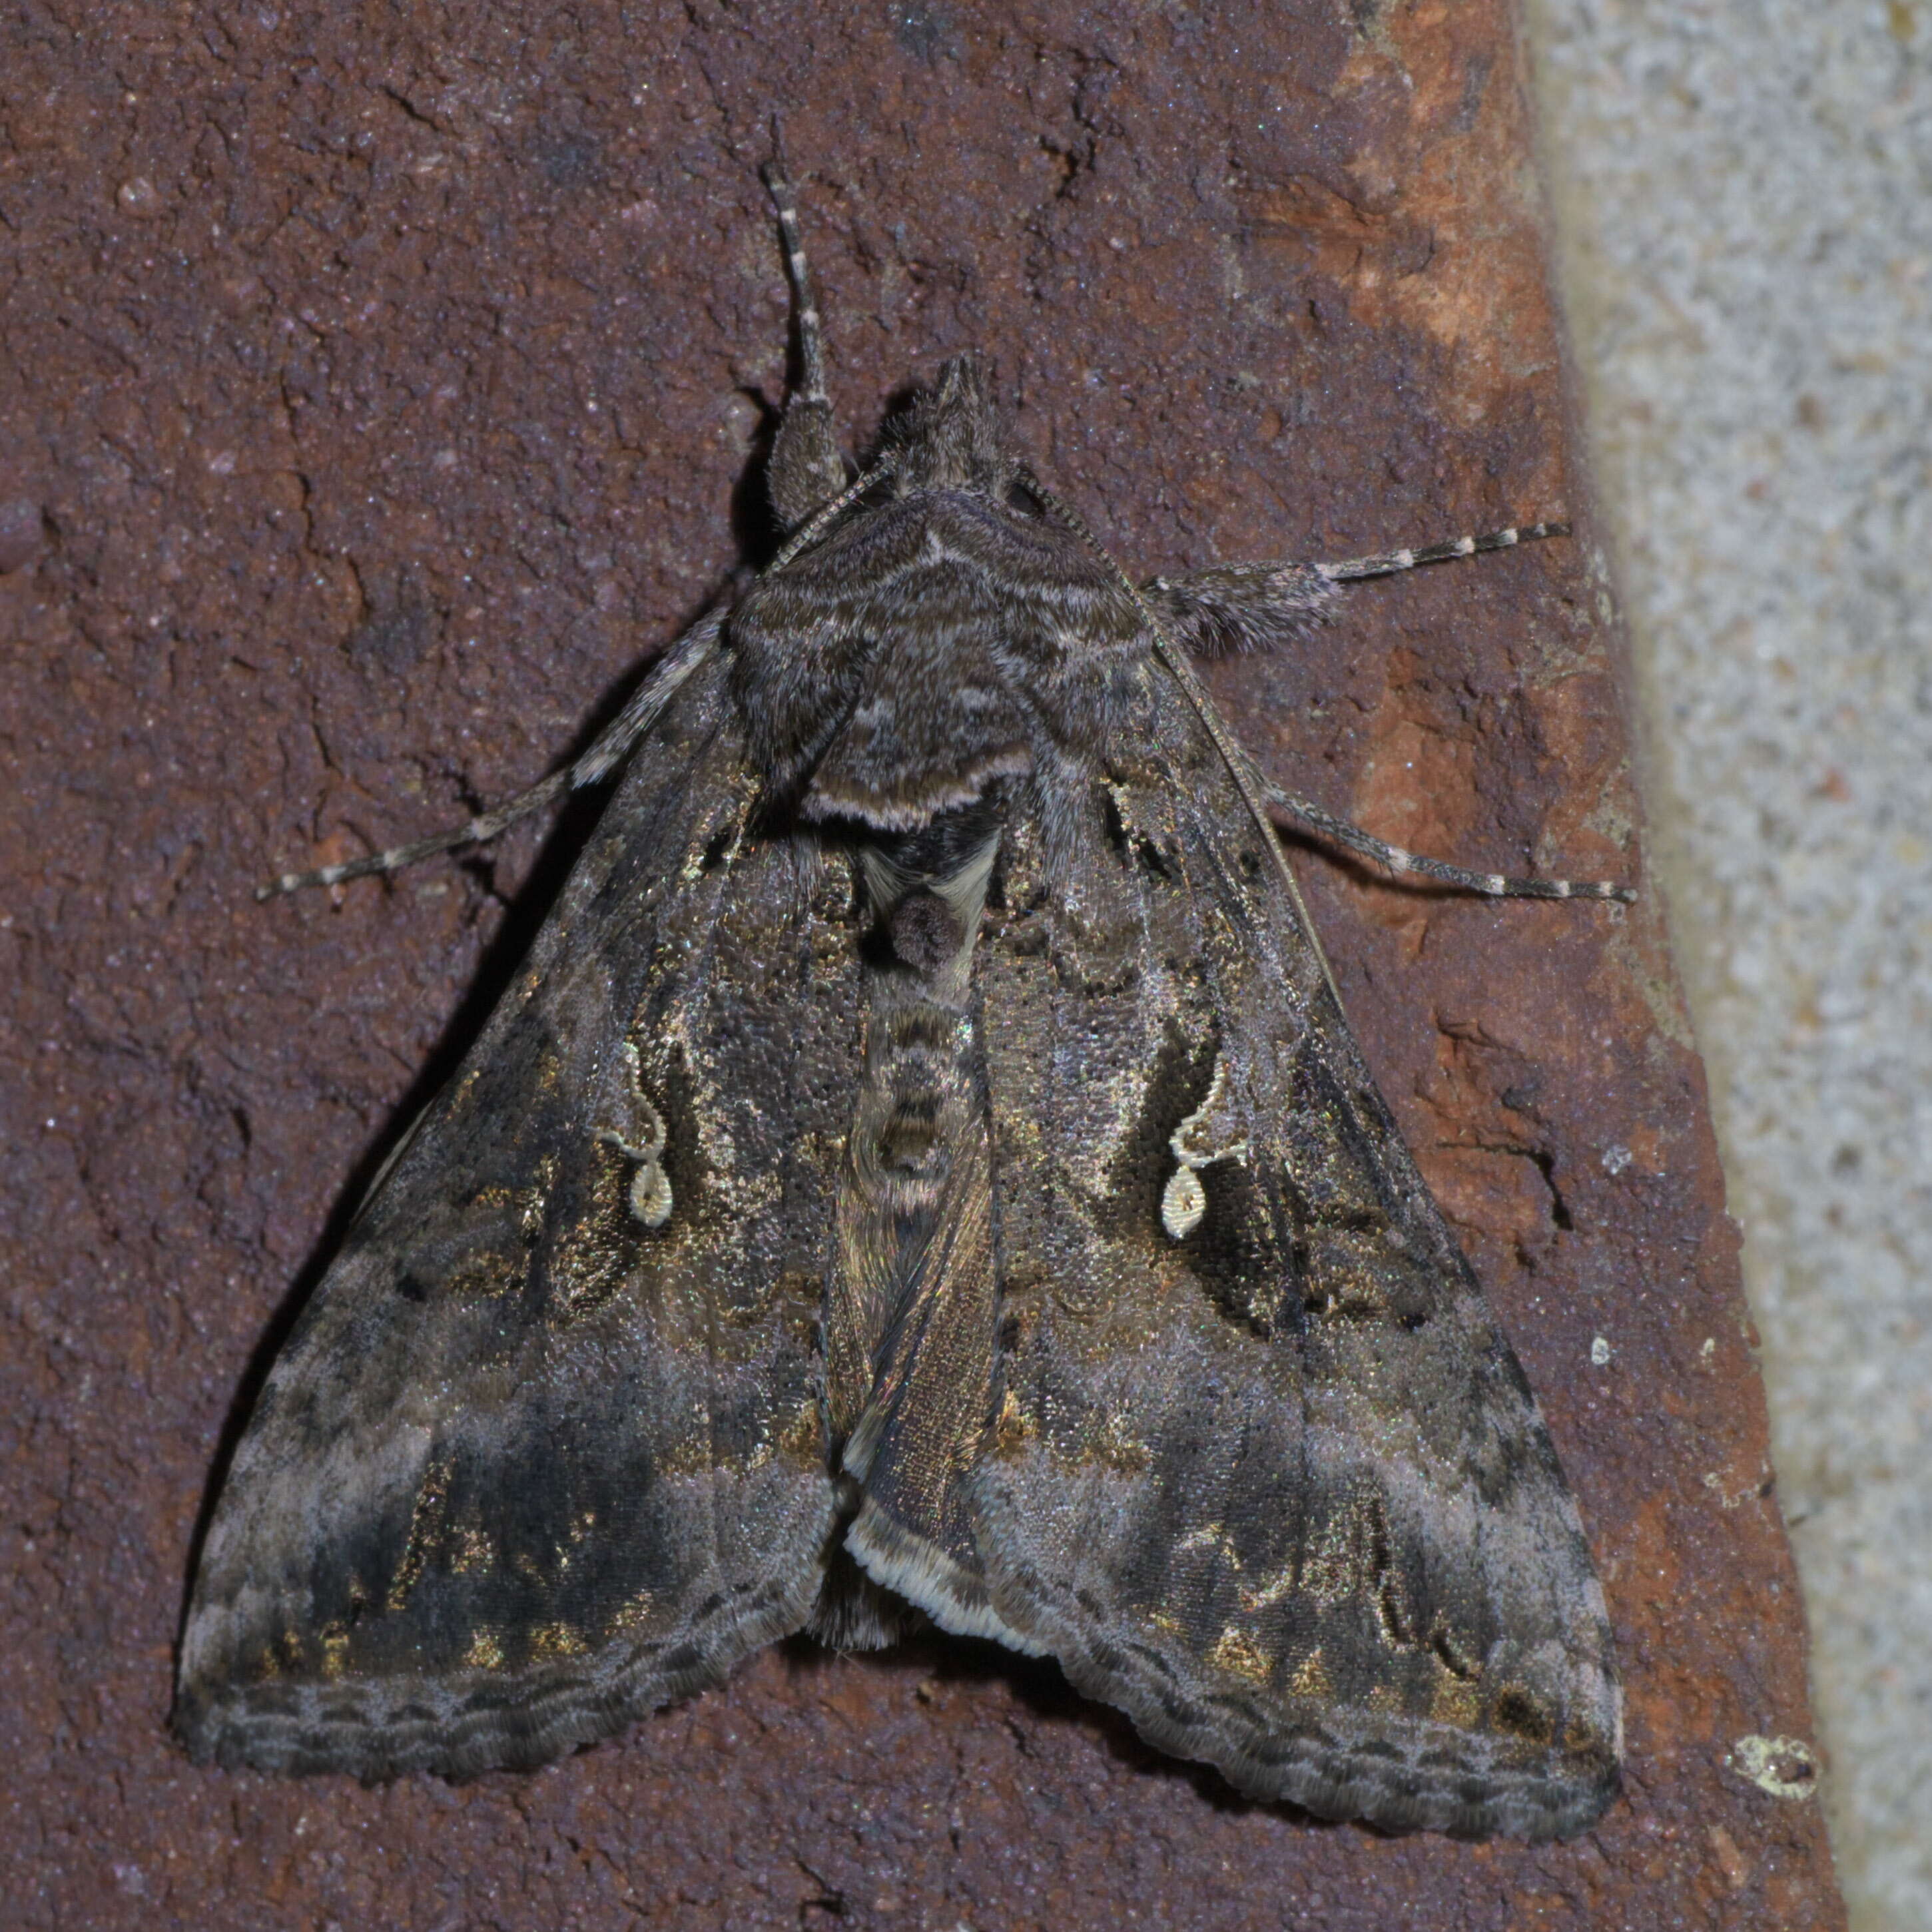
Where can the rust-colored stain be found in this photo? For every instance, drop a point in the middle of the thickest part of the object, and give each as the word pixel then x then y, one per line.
pixel 377 390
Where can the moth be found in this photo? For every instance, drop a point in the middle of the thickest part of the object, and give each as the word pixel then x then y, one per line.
pixel 923 1172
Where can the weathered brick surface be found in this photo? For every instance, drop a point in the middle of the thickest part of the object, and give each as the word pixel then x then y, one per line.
pixel 378 387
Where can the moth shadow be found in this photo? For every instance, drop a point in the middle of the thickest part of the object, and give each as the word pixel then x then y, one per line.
pixel 754 529
pixel 525 906
pixel 1040 1686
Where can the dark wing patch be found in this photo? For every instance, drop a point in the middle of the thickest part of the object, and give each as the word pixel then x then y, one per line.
pixel 1265 1472
pixel 546 1449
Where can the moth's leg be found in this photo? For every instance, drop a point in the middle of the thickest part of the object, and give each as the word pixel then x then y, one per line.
pixel 1252 606
pixel 1233 608
pixel 1492 885
pixel 1389 561
pixel 605 752
pixel 1281 582
pixel 1258 607
pixel 806 471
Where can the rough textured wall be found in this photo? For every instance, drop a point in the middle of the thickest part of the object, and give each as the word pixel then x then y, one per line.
pixel 380 387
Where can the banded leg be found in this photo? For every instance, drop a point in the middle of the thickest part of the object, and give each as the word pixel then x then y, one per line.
pixel 595 764
pixel 1231 608
pixel 1156 599
pixel 1393 859
pixel 1388 562
pixel 805 470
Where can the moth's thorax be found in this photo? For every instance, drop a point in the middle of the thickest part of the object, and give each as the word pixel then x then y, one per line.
pixel 933 647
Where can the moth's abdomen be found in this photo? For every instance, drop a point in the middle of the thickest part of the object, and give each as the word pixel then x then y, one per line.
pixel 910 1316
pixel 918 1124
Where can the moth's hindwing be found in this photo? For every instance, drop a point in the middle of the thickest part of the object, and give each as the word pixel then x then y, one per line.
pixel 1262 1471
pixel 547 1448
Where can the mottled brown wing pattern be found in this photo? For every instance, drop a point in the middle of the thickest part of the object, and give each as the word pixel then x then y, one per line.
pixel 1264 1472
pixel 547 1447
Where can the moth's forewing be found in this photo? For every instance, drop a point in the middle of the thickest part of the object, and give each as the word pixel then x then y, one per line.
pixel 538 1455
pixel 1274 1483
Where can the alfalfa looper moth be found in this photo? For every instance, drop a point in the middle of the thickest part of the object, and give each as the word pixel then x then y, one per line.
pixel 924 1168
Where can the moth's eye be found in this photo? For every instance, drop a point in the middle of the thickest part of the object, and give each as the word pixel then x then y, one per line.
pixel 1020 498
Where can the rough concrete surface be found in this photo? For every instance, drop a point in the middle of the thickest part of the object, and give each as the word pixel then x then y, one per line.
pixel 380 387
pixel 1745 195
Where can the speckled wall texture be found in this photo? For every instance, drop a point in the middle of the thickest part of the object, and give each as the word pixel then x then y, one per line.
pixel 378 389
pixel 1746 210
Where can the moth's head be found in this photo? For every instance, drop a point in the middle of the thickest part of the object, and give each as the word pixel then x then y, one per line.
pixel 949 438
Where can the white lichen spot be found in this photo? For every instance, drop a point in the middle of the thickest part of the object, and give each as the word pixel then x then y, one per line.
pixel 1784 1767
pixel 650 1195
pixel 1183 1202
pixel 1600 1351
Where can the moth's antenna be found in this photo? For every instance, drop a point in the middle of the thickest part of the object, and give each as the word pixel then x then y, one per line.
pixel 810 533
pixel 810 330
pixel 804 471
